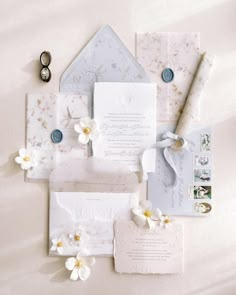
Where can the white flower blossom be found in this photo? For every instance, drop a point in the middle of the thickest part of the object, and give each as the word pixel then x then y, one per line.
pixel 26 159
pixel 87 129
pixel 80 267
pixel 57 246
pixel 144 215
pixel 78 237
pixel 164 220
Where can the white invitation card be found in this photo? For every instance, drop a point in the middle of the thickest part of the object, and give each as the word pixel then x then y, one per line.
pixel 145 251
pixel 126 116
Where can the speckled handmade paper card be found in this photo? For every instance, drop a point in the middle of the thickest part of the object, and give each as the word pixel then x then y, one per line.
pixel 45 113
pixel 178 51
pixel 104 59
pixel 193 193
pixel 139 250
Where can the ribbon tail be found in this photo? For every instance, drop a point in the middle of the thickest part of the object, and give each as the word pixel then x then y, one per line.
pixel 169 159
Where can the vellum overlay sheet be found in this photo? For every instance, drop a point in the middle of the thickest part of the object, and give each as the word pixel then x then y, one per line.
pixel 95 212
pixel 49 112
pixel 193 193
pixel 104 59
pixel 178 52
pixel 126 115
pixel 139 250
pixel 90 193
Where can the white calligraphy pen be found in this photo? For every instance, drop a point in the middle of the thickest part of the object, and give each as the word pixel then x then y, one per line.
pixel 176 141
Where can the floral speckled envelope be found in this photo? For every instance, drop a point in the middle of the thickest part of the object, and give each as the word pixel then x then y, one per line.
pixel 104 59
pixel 45 114
pixel 178 52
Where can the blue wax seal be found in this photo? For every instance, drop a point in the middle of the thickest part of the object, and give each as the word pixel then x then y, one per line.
pixel 56 136
pixel 167 75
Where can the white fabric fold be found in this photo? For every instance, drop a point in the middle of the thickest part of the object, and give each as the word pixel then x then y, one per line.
pixel 169 141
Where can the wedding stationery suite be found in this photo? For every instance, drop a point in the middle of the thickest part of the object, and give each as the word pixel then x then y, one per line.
pixel 126 115
pixel 95 212
pixel 50 130
pixel 104 59
pixel 192 194
pixel 140 250
pixel 171 60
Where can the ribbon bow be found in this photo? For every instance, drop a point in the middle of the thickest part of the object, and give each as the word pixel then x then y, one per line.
pixel 169 141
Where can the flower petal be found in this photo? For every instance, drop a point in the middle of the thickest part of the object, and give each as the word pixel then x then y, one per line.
pixel 22 153
pixel 84 273
pixel 137 211
pixel 83 138
pixel 53 248
pixel 78 256
pixel 84 252
pixel 86 122
pixel 75 274
pixel 18 160
pixel 161 223
pixel 25 165
pixel 93 124
pixel 157 213
pixel 140 220
pixel 146 205
pixel 94 135
pixel 151 223
pixel 71 236
pixel 70 263
pixel 60 250
pixel 78 128
pixel 54 241
pixel 90 261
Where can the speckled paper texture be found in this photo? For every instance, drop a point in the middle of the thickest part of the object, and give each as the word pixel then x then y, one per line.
pixel 200 80
pixel 45 113
pixel 178 51
pixel 139 250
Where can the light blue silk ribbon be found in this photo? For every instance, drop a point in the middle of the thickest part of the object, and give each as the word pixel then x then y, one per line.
pixel 170 143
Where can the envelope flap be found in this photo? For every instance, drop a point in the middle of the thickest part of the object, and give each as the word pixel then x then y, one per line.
pixel 93 175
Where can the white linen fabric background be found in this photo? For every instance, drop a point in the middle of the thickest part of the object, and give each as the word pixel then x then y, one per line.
pixel 63 27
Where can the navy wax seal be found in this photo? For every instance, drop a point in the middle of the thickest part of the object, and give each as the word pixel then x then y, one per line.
pixel 167 75
pixel 56 136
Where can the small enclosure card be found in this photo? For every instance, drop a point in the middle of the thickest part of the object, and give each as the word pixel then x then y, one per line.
pixel 140 250
pixel 126 115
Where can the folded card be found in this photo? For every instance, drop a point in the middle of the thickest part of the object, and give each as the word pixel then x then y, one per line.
pixel 192 194
pixel 171 59
pixel 126 115
pixel 140 250
pixel 50 130
pixel 94 212
pixel 104 59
